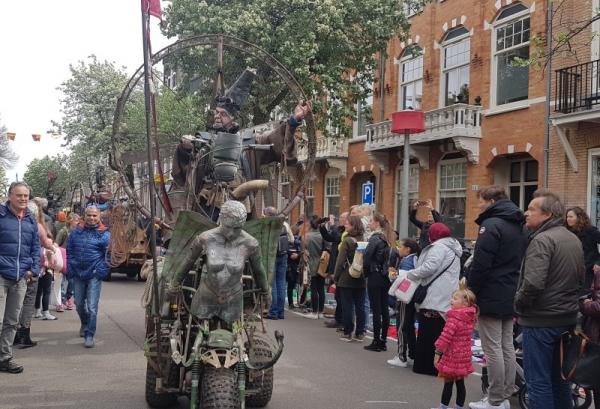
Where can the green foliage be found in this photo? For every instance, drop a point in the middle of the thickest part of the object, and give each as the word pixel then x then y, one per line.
pixel 322 42
pixel 8 157
pixel 36 175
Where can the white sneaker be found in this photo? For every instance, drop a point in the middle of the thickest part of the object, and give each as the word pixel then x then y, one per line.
pixel 47 316
pixel 506 404
pixel 396 361
pixel 38 314
pixel 485 404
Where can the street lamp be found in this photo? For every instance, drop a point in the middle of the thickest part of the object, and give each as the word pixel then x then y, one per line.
pixel 406 122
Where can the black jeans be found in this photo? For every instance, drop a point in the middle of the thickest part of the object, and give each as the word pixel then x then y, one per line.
pixel 405 324
pixel 317 291
pixel 339 311
pixel 378 299
pixel 353 299
pixel 461 392
pixel 431 325
pixel 43 292
pixel 292 280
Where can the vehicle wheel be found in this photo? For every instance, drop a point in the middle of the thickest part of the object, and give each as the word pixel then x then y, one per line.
pixel 261 381
pixel 523 398
pixel 220 389
pixel 157 400
pixel 582 398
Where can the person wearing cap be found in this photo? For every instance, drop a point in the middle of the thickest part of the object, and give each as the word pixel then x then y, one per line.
pixel 439 267
pixel 223 161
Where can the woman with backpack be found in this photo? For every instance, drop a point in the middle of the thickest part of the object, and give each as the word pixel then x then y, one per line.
pixel 375 269
pixel 352 289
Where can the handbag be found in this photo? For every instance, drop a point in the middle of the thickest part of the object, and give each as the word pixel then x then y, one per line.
pixel 421 291
pixel 323 264
pixel 403 288
pixel 579 359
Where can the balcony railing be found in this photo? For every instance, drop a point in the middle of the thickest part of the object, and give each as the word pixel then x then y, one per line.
pixel 458 120
pixel 326 148
pixel 577 87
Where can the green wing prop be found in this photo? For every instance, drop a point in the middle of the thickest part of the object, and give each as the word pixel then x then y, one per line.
pixel 266 231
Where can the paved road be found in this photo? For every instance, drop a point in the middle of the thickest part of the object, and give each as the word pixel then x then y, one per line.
pixel 316 370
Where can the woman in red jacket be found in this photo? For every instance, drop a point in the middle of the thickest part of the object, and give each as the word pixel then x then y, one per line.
pixel 453 347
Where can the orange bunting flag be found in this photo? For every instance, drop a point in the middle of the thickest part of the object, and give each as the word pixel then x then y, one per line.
pixel 11 135
pixel 152 7
pixel 36 137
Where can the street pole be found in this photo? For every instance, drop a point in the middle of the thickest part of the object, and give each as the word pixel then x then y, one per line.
pixel 405 182
pixel 548 93
pixel 148 106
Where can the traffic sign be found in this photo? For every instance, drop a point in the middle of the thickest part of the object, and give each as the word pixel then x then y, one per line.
pixel 367 193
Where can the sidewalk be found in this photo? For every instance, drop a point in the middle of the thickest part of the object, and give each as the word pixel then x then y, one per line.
pixel 61 373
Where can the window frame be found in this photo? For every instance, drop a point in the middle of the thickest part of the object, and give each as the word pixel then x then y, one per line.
pixel 592 153
pixel 407 58
pixel 328 196
pixel 522 15
pixel 522 183
pixel 283 181
pixel 439 192
pixel 443 70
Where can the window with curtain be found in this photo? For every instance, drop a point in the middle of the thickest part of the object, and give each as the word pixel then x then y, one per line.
pixel 411 80
pixel 457 55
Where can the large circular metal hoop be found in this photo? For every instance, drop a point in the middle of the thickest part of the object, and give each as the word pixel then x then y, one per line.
pixel 217 40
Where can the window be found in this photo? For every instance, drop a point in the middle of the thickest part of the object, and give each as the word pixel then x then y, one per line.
pixel 413 194
pixel 452 188
pixel 309 200
pixel 410 9
pixel 332 196
pixel 596 31
pixel 411 79
pixel 594 186
pixel 511 45
pixel 522 181
pixel 364 115
pixel 457 55
pixel 285 192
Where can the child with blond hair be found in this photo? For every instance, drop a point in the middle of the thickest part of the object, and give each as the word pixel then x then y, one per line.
pixel 453 347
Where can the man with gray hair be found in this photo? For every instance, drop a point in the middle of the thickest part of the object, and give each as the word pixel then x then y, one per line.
pixel 19 264
pixel 279 283
pixel 546 302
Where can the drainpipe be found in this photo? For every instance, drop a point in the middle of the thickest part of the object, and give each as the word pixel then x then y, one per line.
pixel 381 118
pixel 548 92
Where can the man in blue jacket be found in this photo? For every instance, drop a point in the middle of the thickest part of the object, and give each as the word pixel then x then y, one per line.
pixel 87 255
pixel 19 263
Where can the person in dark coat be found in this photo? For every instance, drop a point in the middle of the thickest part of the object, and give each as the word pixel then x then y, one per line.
pixel 375 269
pixel 434 217
pixel 578 222
pixel 493 277
pixel 334 236
pixel 352 290
pixel 294 254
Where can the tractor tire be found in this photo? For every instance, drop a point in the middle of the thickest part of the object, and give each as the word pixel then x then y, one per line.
pixel 262 381
pixel 219 389
pixel 157 400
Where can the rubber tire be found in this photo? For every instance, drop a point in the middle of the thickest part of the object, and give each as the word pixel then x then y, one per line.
pixel 587 402
pixel 260 352
pixel 219 389
pixel 523 399
pixel 155 400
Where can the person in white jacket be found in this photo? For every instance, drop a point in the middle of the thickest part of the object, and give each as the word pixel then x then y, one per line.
pixel 439 267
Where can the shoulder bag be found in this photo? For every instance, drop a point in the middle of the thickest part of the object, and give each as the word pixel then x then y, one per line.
pixel 421 291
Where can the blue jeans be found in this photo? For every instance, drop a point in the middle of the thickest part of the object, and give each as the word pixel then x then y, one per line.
pixel 278 287
pixel 353 302
pixel 541 362
pixel 87 296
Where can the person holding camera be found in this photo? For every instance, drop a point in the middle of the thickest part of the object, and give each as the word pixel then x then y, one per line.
pixel 432 217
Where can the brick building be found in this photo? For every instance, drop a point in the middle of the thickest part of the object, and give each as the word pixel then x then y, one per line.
pixel 484 116
pixel 574 165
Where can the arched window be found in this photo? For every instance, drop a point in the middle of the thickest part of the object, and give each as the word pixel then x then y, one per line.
pixel 411 78
pixel 511 44
pixel 455 66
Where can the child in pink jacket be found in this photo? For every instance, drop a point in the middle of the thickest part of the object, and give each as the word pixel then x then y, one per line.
pixel 453 347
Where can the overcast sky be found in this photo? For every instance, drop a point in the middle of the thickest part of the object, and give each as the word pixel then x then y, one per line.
pixel 38 41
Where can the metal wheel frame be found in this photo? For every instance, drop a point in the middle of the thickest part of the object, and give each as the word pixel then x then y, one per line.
pixel 219 41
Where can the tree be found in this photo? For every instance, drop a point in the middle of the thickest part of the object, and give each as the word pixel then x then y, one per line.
pixel 323 42
pixel 8 158
pixel 39 170
pixel 3 182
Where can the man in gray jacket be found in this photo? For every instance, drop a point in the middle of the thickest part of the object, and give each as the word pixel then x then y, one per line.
pixel 551 278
